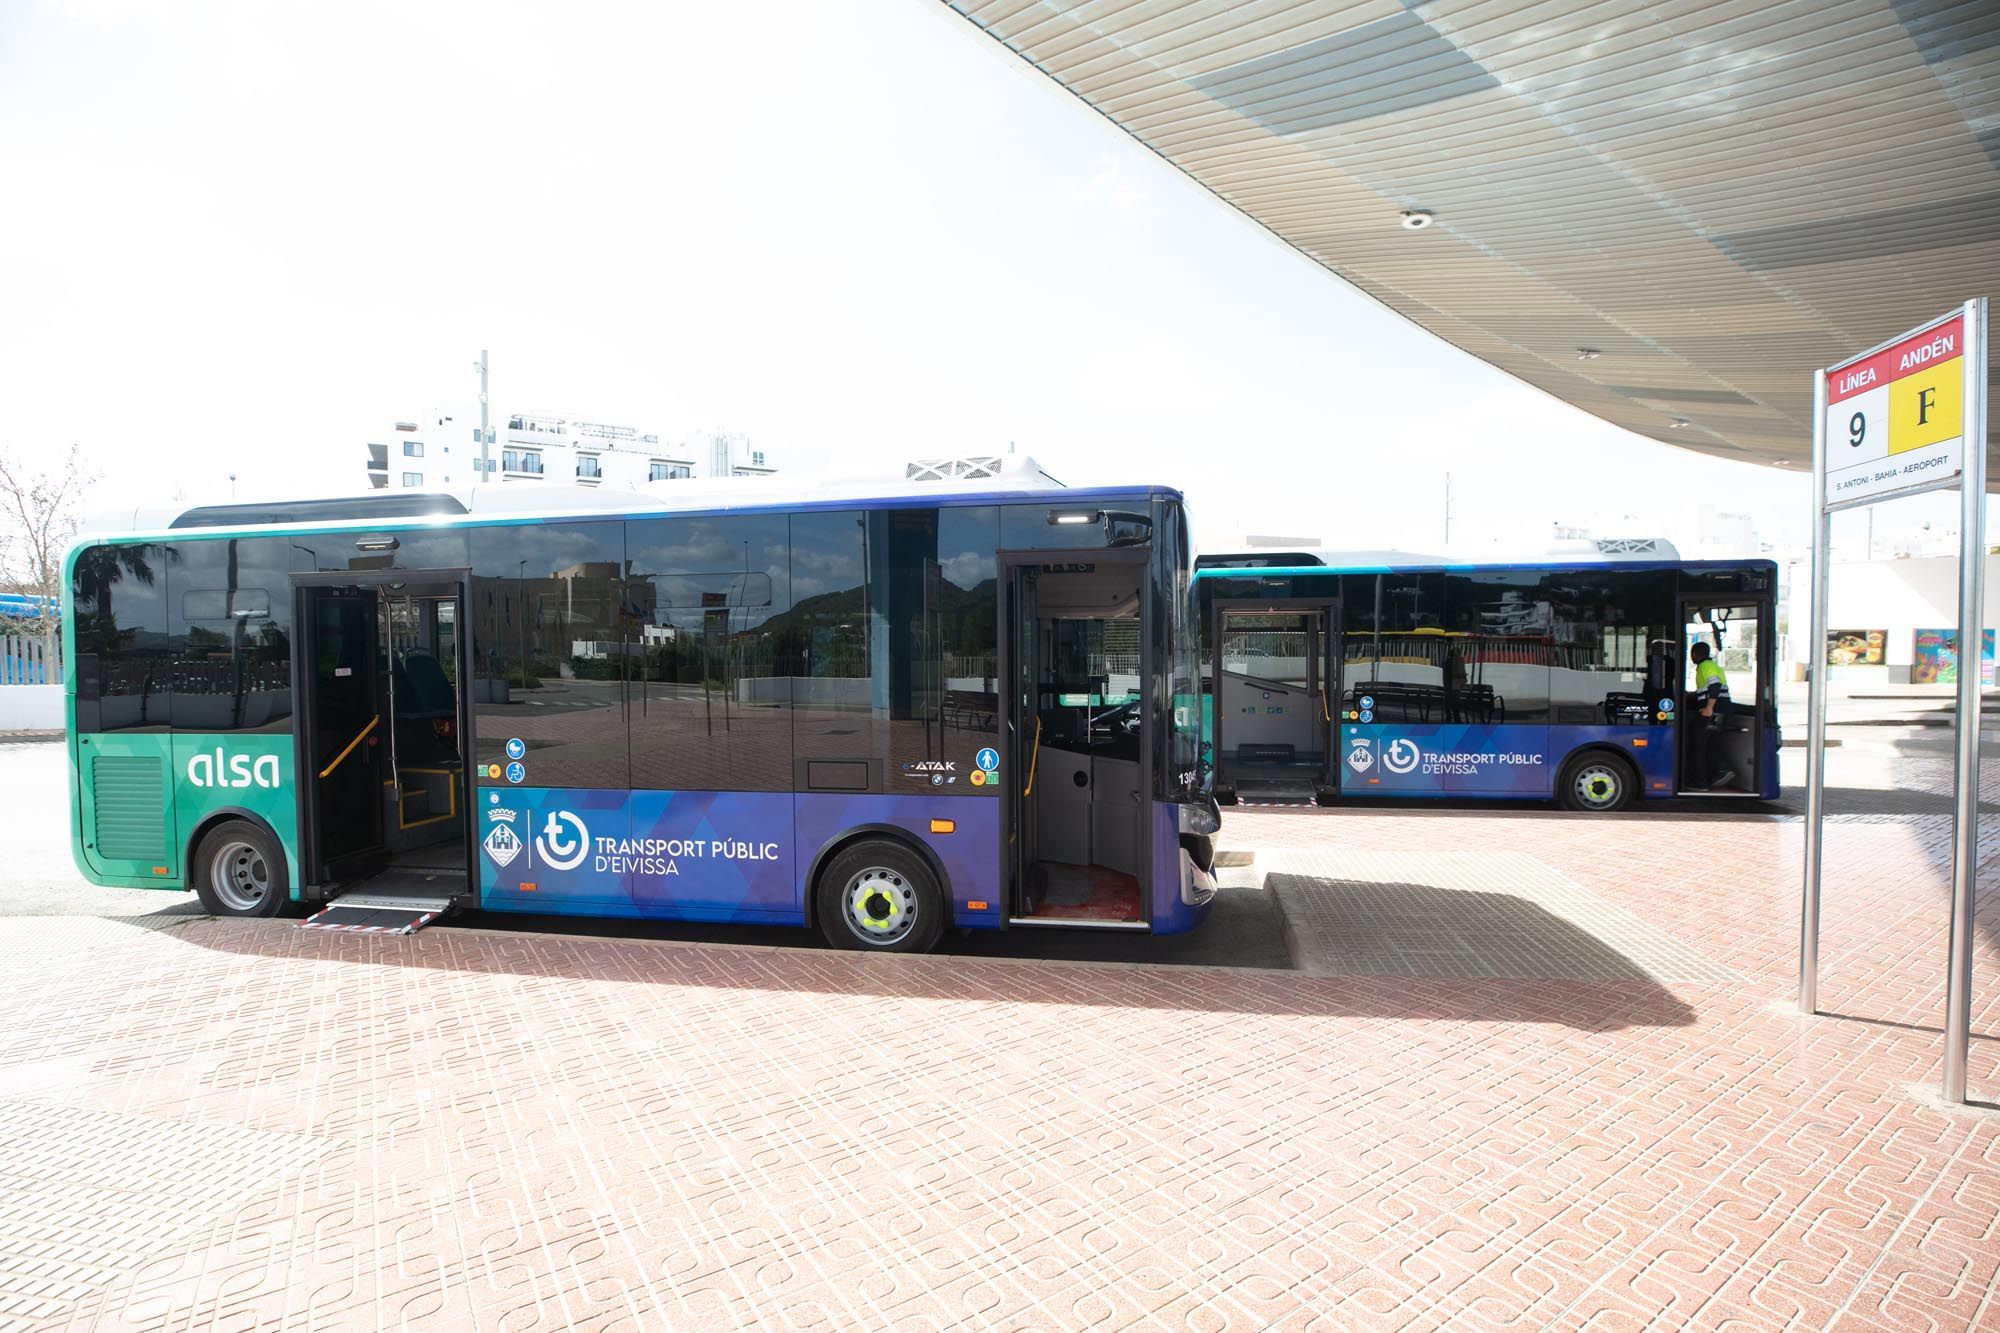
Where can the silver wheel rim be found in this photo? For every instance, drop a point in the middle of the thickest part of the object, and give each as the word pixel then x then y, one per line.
pixel 1598 786
pixel 239 877
pixel 880 905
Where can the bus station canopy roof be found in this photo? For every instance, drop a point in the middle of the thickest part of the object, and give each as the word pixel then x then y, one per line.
pixel 1667 214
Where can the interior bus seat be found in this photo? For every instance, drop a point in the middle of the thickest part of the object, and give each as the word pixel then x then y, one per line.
pixel 424 677
pixel 426 708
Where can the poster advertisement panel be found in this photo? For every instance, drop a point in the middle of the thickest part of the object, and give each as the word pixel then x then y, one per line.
pixel 1935 661
pixel 1856 647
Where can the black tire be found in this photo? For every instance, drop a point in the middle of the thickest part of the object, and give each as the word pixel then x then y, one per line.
pixel 1597 782
pixel 239 870
pixel 880 896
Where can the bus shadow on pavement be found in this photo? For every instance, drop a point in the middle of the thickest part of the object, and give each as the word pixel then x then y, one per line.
pixel 765 959
pixel 1437 951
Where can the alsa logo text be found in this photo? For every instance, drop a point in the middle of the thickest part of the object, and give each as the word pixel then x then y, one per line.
pixel 236 770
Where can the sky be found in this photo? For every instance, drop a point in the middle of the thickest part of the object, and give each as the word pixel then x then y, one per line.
pixel 246 237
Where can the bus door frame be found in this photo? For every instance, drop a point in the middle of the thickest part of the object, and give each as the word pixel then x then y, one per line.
pixel 1764 713
pixel 1327 644
pixel 314 871
pixel 1018 735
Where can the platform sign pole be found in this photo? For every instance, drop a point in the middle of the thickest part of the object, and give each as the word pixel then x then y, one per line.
pixel 1822 541
pixel 1902 418
pixel 1971 655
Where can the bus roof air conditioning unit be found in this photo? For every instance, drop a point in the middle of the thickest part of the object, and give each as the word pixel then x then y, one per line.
pixel 1638 548
pixel 970 467
pixel 1018 469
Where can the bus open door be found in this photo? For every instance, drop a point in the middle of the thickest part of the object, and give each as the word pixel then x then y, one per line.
pixel 1723 710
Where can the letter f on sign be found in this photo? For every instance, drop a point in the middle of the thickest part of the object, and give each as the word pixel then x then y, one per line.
pixel 1926 400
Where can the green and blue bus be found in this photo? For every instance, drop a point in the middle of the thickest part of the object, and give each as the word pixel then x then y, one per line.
pixel 1330 677
pixel 881 714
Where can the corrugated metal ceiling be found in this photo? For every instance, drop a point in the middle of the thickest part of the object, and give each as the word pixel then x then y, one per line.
pixel 1714 196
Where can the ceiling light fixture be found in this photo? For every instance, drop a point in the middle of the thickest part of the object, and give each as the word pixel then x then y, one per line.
pixel 1416 219
pixel 1587 354
pixel 1677 423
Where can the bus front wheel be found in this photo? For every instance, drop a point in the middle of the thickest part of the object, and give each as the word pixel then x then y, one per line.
pixel 1597 783
pixel 880 896
pixel 239 870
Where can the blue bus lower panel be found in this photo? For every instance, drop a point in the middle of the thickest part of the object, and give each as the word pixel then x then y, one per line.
pixel 1516 760
pixel 969 855
pixel 709 856
pixel 1171 913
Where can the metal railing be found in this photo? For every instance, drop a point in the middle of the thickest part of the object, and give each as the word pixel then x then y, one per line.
pixel 27 659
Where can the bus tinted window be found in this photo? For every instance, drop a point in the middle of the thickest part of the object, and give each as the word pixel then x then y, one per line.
pixel 231 635
pixel 1615 640
pixel 1497 652
pixel 892 628
pixel 124 659
pixel 850 678
pixel 1399 658
pixel 711 682
pixel 549 646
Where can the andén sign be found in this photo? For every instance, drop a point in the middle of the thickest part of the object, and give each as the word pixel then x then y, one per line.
pixel 237 770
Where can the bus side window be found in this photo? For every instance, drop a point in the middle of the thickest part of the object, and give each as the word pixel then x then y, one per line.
pixel 1614 646
pixel 548 627
pixel 121 599
pixel 710 699
pixel 230 633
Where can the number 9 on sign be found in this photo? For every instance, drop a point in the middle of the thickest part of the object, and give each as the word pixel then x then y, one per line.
pixel 1861 424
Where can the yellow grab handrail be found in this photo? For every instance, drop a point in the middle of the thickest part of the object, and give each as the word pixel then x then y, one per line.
pixel 350 745
pixel 1029 790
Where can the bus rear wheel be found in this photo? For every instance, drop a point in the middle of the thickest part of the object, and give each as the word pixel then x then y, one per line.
pixel 239 870
pixel 880 896
pixel 1597 783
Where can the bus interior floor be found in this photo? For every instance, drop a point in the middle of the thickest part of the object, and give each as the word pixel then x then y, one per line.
pixel 1085 893
pixel 446 858
pixel 428 878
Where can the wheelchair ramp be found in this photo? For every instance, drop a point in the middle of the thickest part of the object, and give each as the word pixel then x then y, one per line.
pixel 1276 791
pixel 381 913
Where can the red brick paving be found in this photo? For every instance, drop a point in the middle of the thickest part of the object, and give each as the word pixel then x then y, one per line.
pixel 237 1124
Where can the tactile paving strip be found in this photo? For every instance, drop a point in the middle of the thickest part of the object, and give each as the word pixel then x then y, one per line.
pixel 1503 914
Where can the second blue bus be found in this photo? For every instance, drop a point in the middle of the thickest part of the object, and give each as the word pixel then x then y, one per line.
pixel 1328 678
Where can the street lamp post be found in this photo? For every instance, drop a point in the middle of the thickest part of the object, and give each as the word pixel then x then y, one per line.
pixel 485 431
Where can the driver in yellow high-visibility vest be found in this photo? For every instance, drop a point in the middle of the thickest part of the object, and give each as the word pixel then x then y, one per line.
pixel 1711 692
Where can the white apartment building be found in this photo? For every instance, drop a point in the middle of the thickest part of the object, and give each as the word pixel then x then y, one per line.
pixel 441 451
pixel 730 455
